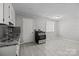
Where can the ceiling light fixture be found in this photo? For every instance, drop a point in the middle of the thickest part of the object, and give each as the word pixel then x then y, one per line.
pixel 56 17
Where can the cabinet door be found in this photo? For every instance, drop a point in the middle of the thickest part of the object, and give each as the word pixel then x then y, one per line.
pixel 12 14
pixel 8 51
pixel 6 13
pixel 1 12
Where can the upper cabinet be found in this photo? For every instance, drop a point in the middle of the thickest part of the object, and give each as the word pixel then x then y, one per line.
pixel 7 13
pixel 1 12
pixel 12 14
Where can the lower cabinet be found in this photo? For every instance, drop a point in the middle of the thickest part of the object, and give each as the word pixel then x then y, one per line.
pixel 8 51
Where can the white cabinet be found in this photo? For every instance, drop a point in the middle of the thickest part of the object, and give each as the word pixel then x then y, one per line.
pixel 12 14
pixel 1 12
pixel 8 51
pixel 7 13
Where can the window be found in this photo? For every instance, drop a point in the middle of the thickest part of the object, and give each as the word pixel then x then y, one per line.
pixel 50 26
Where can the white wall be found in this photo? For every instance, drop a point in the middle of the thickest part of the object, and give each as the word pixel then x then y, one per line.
pixel 40 23
pixel 69 28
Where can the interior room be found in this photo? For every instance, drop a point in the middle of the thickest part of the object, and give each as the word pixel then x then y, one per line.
pixel 39 29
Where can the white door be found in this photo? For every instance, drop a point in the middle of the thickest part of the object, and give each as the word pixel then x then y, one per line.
pixel 28 32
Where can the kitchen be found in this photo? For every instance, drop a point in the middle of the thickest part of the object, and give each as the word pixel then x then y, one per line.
pixel 58 22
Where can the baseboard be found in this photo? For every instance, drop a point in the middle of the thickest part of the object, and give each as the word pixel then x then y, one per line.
pixel 26 43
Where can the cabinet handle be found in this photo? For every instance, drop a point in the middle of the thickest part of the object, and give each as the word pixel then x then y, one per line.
pixel 9 11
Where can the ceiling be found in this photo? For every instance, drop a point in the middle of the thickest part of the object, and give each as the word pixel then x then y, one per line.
pixel 46 9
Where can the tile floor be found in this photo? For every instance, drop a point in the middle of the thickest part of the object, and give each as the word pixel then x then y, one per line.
pixel 53 47
pixel 60 47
